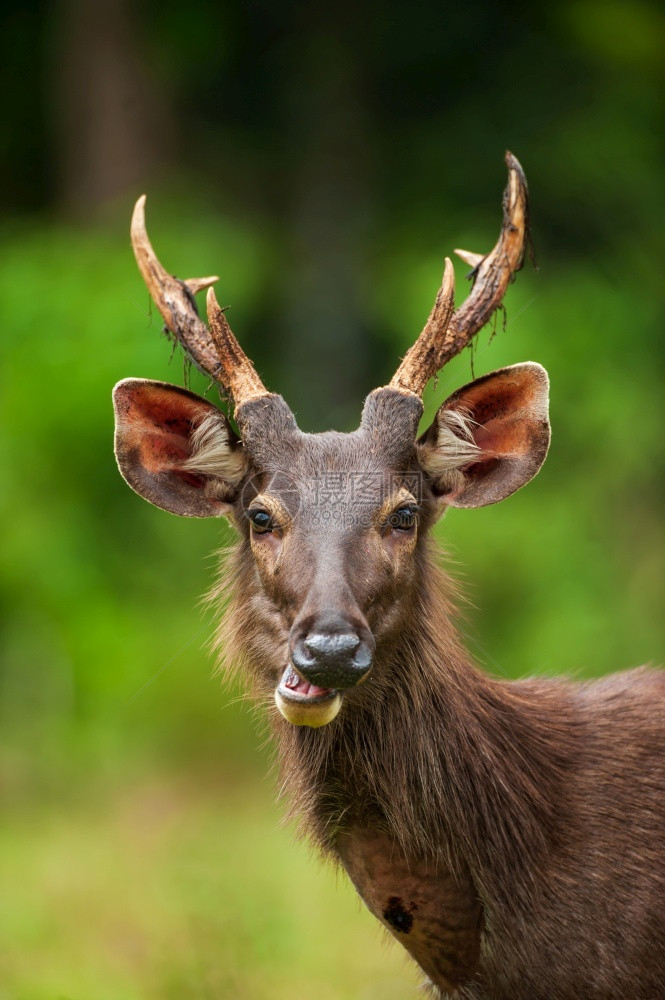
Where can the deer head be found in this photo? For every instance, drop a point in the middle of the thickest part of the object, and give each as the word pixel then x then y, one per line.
pixel 332 526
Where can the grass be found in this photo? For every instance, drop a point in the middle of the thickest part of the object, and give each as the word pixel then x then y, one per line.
pixel 145 880
pixel 172 887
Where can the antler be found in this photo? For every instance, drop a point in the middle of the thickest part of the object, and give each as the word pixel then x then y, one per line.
pixel 447 333
pixel 423 360
pixel 215 351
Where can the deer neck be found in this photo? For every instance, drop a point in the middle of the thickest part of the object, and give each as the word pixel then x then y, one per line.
pixel 454 766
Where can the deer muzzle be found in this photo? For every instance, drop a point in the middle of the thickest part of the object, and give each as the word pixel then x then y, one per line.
pixel 325 662
pixel 333 660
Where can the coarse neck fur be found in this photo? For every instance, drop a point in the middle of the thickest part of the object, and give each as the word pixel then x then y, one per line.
pixel 456 766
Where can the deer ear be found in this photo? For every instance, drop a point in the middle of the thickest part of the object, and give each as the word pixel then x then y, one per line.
pixel 489 438
pixel 176 449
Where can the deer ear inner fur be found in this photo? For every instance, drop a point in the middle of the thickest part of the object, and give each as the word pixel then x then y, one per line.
pixel 489 438
pixel 176 449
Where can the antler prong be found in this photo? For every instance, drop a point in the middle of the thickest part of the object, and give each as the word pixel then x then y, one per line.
pixel 235 370
pixel 423 360
pixel 214 352
pixel 446 334
pixel 470 258
pixel 495 271
pixel 196 285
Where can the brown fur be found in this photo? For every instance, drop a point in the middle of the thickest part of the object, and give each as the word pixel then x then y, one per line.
pixel 509 834
pixel 549 796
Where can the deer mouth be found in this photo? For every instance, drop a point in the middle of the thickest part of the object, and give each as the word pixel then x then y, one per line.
pixel 303 703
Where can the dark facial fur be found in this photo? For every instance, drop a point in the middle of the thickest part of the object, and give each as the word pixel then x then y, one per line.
pixel 542 803
pixel 509 835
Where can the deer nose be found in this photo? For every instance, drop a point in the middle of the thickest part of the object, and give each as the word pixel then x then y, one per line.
pixel 332 659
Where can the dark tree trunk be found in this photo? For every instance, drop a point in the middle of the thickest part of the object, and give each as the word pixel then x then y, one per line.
pixel 111 129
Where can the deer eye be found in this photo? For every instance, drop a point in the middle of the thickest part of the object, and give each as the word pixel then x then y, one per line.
pixel 260 520
pixel 403 519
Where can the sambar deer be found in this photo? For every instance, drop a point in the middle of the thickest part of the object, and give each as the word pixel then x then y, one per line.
pixel 509 834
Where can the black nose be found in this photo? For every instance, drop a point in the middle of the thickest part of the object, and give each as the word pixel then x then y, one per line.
pixel 332 659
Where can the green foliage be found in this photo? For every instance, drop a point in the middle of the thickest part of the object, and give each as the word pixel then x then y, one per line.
pixel 325 169
pixel 181 888
pixel 105 671
pixel 101 589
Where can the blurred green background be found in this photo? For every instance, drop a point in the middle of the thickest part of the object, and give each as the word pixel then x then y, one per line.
pixel 322 161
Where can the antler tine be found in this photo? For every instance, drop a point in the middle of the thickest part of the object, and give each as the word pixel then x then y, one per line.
pixel 172 297
pixel 219 356
pixel 491 276
pixel 235 369
pixel 493 273
pixel 423 360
